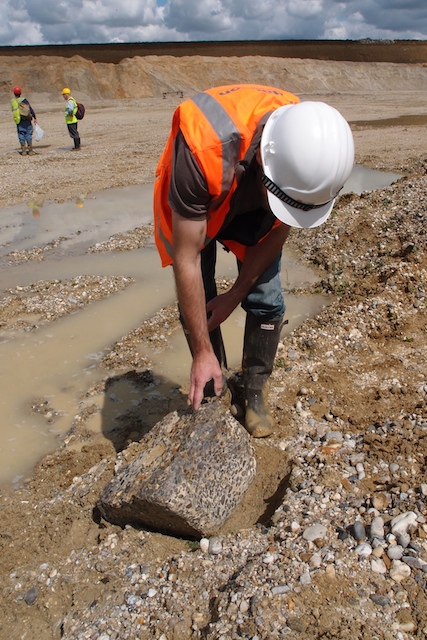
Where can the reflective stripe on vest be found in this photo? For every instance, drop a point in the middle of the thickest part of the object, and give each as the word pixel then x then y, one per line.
pixel 225 129
pixel 218 126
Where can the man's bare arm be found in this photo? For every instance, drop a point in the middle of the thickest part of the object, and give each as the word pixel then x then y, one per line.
pixel 188 240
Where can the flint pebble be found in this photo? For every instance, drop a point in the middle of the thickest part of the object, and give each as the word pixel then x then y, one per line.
pixel 404 539
pixel 402 522
pixel 415 563
pixel 215 546
pixel 279 589
pixel 381 601
pixel 364 550
pixel 204 545
pixel 314 532
pixel 359 530
pixel 395 552
pixel 399 571
pixel 377 528
pixel 31 596
pixel 378 566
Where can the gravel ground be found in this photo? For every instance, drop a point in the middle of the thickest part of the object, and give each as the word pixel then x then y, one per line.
pixel 342 549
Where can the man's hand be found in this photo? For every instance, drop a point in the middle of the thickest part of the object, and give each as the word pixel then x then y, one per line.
pixel 257 259
pixel 220 307
pixel 205 368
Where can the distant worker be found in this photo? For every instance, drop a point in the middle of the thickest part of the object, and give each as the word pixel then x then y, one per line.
pixel 70 117
pixel 23 115
pixel 242 165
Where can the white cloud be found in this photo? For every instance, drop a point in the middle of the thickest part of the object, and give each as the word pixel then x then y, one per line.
pixel 193 16
pixel 305 8
pixel 102 21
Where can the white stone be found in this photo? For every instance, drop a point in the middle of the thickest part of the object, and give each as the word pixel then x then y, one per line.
pixel 215 546
pixel 404 540
pixel 395 552
pixel 377 527
pixel 378 566
pixel 399 571
pixel 279 589
pixel 269 558
pixel 314 532
pixel 204 545
pixel 316 560
pixel 305 578
pixel 402 522
pixel 364 550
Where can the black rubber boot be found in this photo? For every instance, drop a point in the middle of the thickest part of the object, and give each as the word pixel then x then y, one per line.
pixel 259 350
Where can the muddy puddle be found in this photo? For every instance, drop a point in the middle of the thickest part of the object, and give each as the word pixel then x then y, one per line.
pixel 56 363
pixel 398 121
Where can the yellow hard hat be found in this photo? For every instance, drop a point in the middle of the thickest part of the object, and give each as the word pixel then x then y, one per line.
pixel 65 90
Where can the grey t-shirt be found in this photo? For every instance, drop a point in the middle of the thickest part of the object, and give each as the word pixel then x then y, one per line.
pixel 249 217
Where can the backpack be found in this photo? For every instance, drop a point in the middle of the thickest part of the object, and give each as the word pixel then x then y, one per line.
pixel 80 113
pixel 24 110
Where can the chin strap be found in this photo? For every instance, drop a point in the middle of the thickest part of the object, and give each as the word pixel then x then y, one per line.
pixel 277 191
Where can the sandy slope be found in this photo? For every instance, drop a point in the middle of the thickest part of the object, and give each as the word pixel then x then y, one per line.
pixel 129 107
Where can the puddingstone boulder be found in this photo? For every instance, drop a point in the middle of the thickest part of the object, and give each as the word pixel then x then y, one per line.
pixel 186 477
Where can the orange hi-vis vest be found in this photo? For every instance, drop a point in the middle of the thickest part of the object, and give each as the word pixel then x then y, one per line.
pixel 218 126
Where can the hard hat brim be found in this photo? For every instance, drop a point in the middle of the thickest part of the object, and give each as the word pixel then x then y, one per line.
pixel 296 217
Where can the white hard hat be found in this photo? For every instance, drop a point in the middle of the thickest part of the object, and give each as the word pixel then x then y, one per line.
pixel 307 153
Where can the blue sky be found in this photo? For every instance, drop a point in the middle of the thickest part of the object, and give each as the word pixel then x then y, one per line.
pixel 37 22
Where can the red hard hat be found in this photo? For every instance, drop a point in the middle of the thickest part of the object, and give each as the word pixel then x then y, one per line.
pixel 17 90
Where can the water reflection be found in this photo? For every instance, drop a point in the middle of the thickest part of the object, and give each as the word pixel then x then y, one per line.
pixel 80 200
pixel 35 207
pixel 365 179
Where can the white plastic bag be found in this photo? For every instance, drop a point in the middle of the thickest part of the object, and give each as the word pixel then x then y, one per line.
pixel 38 133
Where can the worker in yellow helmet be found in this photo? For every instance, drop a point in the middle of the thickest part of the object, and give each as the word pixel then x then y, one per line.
pixel 70 117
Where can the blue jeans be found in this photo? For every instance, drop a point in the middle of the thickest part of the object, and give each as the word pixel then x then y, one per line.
pixel 265 299
pixel 25 131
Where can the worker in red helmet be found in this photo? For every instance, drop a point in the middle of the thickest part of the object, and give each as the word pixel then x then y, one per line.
pixel 24 116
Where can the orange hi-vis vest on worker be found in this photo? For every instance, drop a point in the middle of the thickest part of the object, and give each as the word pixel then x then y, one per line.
pixel 218 126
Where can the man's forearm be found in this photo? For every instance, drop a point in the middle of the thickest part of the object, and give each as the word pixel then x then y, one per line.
pixel 191 299
pixel 188 239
